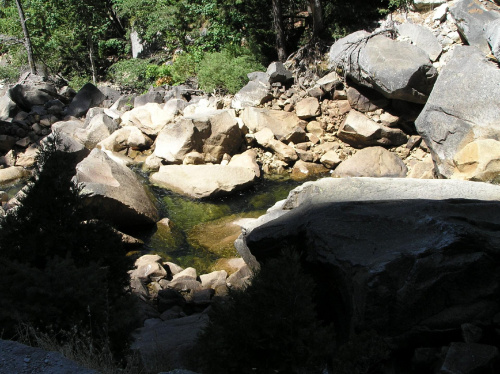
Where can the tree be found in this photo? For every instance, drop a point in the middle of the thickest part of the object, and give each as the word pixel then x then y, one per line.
pixel 27 39
pixel 61 272
pixel 279 31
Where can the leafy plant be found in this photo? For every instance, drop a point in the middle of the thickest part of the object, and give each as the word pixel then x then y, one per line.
pixel 271 327
pixel 131 74
pixel 9 74
pixel 227 70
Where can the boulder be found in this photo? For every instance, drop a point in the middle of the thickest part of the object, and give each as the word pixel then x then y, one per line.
pixel 226 137
pixel 425 5
pixel 213 279
pixel 422 37
pixel 202 181
pixel 7 142
pixel 20 358
pixel 149 118
pixel 330 159
pixel 478 161
pixel 329 81
pixel 28 96
pixel 395 69
pixel 376 263
pixel 176 140
pixel 472 18
pixel 304 170
pixel 99 128
pixel 365 100
pixel 126 137
pixel 114 191
pixel 492 33
pixel 254 93
pixel 284 152
pixel 169 341
pixel 279 122
pixel 372 162
pixel 89 96
pixel 7 107
pixel 247 159
pixel 278 73
pixel 12 174
pixel 308 108
pixel 470 358
pixel 456 112
pixel 152 97
pixel 359 131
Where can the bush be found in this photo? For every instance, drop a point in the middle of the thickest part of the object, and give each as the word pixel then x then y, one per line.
pixel 60 271
pixel 131 74
pixel 227 70
pixel 9 74
pixel 271 327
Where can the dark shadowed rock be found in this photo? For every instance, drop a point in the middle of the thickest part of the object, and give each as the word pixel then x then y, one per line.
pixel 89 96
pixel 28 96
pixel 470 358
pixel 20 358
pixel 411 270
pixel 365 100
pixel 278 73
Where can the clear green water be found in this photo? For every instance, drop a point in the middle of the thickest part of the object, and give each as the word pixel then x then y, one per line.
pixel 202 231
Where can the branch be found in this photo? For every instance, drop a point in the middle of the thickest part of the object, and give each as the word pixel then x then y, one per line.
pixel 10 40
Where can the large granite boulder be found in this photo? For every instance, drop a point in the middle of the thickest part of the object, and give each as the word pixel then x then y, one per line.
pixel 178 139
pixel 372 162
pixel 202 181
pixel 225 137
pixel 422 37
pixel 472 18
pixel 114 191
pixel 283 151
pixel 126 137
pixel 12 174
pixel 27 96
pixel 457 112
pixel 396 69
pixel 279 122
pixel 149 118
pixel 492 33
pixel 254 93
pixel 7 107
pixel 398 262
pixel 479 161
pixel 89 96
pixel 359 131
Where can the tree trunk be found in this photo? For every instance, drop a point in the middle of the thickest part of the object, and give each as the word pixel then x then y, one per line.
pixel 279 30
pixel 91 57
pixel 27 40
pixel 317 15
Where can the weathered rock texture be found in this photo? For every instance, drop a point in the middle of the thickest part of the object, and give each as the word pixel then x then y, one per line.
pixel 396 69
pixel 457 111
pixel 114 191
pixel 410 269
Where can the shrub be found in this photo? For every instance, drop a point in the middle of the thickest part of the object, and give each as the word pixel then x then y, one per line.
pixel 9 74
pixel 61 272
pixel 131 74
pixel 270 327
pixel 227 70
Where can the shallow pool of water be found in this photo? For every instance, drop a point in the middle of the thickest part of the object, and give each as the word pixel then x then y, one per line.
pixel 203 231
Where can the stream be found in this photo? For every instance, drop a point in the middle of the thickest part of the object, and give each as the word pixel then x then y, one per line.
pixel 203 231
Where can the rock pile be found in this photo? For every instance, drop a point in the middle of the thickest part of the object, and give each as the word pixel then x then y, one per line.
pixel 174 303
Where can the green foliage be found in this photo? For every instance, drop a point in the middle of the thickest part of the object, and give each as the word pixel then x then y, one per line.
pixel 9 73
pixel 131 74
pixel 227 70
pixel 271 327
pixel 61 272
